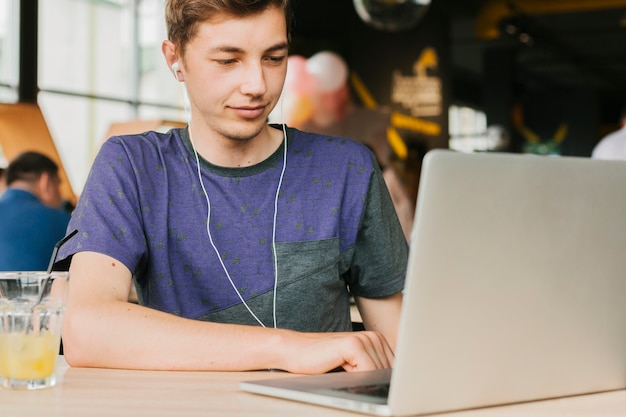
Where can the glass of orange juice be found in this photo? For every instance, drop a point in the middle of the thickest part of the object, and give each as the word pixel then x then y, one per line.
pixel 31 314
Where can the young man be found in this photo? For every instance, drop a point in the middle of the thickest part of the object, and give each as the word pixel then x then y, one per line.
pixel 243 238
pixel 31 221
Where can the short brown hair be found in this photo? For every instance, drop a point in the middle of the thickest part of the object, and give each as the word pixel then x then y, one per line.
pixel 29 166
pixel 183 16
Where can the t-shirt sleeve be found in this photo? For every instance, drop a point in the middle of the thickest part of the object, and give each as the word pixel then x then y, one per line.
pixel 108 214
pixel 380 257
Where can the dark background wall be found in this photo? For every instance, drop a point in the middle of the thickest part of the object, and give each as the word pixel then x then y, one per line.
pixel 573 71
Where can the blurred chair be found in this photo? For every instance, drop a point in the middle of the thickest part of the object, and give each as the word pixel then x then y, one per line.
pixel 23 128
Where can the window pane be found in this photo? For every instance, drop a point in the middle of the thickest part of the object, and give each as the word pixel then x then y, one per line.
pixel 9 49
pixel 86 46
pixel 156 82
pixel 78 126
pixel 103 68
pixel 468 128
pixel 8 95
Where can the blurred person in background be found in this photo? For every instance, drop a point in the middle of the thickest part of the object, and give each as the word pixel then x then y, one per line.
pixel 31 221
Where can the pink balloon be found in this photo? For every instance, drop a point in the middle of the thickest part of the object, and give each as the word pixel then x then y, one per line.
pixel 298 80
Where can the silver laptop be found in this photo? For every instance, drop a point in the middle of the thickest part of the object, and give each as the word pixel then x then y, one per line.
pixel 516 290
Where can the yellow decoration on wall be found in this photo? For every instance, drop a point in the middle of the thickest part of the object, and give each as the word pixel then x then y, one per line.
pixel 415 124
pixel 398 120
pixel 397 143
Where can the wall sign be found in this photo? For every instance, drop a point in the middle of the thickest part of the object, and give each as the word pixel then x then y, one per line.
pixel 421 92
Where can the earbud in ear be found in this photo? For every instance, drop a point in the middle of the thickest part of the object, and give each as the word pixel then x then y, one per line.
pixel 175 70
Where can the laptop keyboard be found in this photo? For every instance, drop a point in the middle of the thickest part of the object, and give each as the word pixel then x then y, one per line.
pixel 374 390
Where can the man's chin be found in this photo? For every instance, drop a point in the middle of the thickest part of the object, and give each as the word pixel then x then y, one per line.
pixel 245 131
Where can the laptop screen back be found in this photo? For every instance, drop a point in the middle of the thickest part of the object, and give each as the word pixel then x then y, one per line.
pixel 517 282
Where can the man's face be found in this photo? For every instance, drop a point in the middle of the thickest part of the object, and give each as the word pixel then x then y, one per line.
pixel 234 72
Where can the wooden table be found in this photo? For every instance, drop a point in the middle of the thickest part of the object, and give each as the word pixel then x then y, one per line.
pixel 84 392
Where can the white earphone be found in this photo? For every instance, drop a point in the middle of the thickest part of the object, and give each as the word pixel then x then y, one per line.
pixel 175 70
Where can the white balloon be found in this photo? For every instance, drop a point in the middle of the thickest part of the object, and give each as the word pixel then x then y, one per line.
pixel 329 70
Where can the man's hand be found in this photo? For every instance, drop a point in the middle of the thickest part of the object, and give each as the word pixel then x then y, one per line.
pixel 312 353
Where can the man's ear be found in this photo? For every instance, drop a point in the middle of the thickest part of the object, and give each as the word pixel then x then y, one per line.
pixel 47 190
pixel 41 187
pixel 169 52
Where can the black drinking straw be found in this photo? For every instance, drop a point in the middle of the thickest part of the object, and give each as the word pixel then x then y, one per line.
pixel 58 245
pixel 51 264
pixel 53 258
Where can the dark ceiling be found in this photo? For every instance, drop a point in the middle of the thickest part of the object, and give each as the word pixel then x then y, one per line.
pixel 568 43
pixel 556 44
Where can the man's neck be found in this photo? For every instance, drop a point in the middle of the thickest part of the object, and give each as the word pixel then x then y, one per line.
pixel 24 186
pixel 233 153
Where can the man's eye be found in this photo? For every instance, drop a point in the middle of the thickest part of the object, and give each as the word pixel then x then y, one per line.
pixel 276 59
pixel 225 61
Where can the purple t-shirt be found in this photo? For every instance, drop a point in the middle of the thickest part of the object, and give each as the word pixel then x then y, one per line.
pixel 336 229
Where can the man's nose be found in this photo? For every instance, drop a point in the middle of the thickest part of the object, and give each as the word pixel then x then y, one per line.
pixel 253 80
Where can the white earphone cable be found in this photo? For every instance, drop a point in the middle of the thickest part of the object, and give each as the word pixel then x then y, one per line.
pixel 208 221
pixel 280 183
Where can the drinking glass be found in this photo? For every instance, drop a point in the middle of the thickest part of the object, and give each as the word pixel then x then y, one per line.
pixel 31 314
